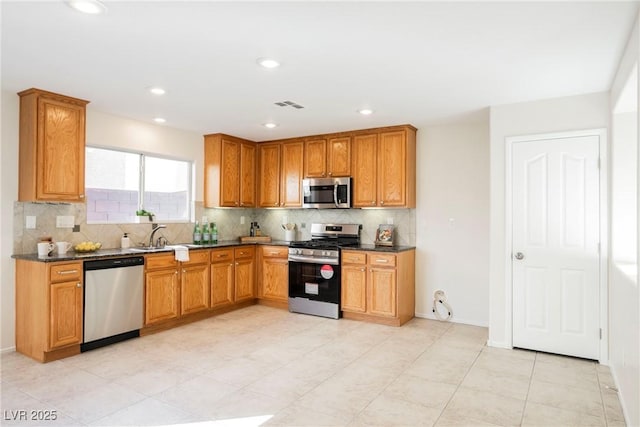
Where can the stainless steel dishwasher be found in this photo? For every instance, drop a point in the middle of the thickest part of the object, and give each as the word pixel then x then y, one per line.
pixel 113 301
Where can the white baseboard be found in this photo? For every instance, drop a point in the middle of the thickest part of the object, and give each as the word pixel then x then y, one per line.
pixel 7 350
pixel 625 411
pixel 454 319
pixel 498 344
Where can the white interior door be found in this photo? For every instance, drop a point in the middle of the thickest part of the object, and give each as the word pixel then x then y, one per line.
pixel 555 247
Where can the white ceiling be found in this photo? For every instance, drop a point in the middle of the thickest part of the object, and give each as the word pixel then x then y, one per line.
pixel 418 62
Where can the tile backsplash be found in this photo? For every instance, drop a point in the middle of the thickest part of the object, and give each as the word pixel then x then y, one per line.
pixel 227 220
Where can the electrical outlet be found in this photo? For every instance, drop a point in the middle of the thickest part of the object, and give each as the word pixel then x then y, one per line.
pixel 303 225
pixel 30 222
pixel 242 220
pixel 390 220
pixel 285 220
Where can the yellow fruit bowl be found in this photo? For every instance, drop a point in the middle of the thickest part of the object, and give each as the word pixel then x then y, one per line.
pixel 87 247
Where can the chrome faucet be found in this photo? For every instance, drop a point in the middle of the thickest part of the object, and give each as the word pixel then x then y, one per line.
pixel 153 232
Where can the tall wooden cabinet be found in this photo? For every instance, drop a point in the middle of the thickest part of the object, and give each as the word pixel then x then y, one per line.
pixel 280 170
pixel 229 172
pixel 52 147
pixel 49 301
pixel 384 168
pixel 378 286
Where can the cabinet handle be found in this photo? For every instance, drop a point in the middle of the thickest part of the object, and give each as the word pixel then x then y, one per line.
pixel 184 271
pixel 373 202
pixel 237 263
pixel 382 202
pixel 176 272
pixel 231 265
pixel 363 269
pixel 63 272
pixel 275 204
pixel 273 253
pixel 330 173
pixel 78 285
pixel 81 196
pixel 222 256
pixel 382 260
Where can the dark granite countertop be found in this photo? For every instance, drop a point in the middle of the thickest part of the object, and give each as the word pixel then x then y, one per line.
pixel 117 252
pixel 369 247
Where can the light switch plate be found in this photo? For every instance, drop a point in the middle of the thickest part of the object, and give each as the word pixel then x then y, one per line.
pixel 65 221
pixel 30 222
pixel 241 220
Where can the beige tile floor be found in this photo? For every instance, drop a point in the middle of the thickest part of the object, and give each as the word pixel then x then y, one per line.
pixel 264 366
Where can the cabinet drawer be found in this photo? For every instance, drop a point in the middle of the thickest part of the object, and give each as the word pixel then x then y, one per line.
pixel 197 257
pixel 220 255
pixel 244 252
pixel 160 261
pixel 351 257
pixel 275 251
pixel 65 272
pixel 382 260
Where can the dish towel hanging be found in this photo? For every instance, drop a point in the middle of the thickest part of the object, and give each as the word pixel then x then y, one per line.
pixel 182 253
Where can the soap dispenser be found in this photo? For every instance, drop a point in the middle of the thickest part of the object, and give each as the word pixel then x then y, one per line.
pixel 125 242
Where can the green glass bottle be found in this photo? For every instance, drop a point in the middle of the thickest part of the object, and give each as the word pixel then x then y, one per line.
pixel 206 234
pixel 214 233
pixel 197 234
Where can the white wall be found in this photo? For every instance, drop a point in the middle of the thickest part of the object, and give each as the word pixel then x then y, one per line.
pixel 452 220
pixel 9 193
pixel 554 115
pixel 624 297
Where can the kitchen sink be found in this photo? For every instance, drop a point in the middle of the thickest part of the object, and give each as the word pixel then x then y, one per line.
pixel 146 249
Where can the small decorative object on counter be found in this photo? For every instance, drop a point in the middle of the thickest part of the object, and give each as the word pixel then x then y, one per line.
pixel 384 235
pixel 197 234
pixel 206 234
pixel 214 233
pixel 252 230
pixel 125 242
pixel 257 231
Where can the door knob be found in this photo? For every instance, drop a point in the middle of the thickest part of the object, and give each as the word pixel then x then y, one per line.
pixel 519 255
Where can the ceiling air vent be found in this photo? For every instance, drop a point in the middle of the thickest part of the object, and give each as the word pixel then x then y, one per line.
pixel 289 104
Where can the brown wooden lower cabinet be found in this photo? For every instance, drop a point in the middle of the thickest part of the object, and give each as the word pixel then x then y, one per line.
pixel 274 273
pixel 378 286
pixel 162 288
pixel 48 309
pixel 194 283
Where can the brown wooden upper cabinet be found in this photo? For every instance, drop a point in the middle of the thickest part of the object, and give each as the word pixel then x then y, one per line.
pixel 229 172
pixel 384 167
pixel 327 157
pixel 52 144
pixel 280 168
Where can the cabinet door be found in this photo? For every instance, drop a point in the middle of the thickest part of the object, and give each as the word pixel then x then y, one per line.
pixel 382 291
pixel 161 296
pixel 339 156
pixel 222 284
pixel 245 279
pixel 194 288
pixel 392 174
pixel 230 176
pixel 291 174
pixel 354 295
pixel 247 175
pixel 66 314
pixel 269 184
pixel 275 279
pixel 60 151
pixel 363 167
pixel 315 158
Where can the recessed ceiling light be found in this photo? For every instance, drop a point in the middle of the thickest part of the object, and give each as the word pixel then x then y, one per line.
pixel 157 91
pixel 92 7
pixel 159 120
pixel 268 63
pixel 270 125
pixel 365 111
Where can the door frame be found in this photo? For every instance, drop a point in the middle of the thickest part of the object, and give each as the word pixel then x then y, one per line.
pixel 601 133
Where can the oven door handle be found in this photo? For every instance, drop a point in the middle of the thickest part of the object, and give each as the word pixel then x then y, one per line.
pixel 303 259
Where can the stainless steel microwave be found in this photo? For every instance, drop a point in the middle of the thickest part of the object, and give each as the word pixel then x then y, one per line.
pixel 326 193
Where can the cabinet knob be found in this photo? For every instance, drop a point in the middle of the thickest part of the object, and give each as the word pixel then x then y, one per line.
pixel 275 204
pixel 373 202
pixel 184 271
pixel 237 263
pixel 382 202
pixel 176 272
pixel 362 269
pixel 231 265
pixel 78 285
pixel 330 173
pixel 81 196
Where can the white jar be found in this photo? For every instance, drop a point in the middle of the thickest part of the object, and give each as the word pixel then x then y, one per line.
pixel 125 242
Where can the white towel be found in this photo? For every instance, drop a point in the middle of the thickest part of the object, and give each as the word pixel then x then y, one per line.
pixel 182 253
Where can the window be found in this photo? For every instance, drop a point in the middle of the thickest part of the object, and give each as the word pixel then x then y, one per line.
pixel 118 183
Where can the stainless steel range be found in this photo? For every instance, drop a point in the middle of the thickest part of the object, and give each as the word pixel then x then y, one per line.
pixel 314 269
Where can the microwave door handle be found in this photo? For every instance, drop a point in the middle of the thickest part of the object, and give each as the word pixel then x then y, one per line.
pixel 335 194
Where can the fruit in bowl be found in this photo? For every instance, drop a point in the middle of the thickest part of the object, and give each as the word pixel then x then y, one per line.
pixel 87 246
